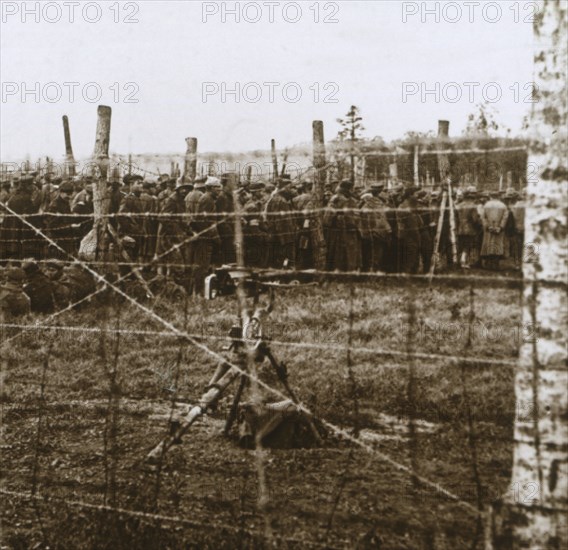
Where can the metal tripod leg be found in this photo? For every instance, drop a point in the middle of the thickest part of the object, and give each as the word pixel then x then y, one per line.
pixel 235 406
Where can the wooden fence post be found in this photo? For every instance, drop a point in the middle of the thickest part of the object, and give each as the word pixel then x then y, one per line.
pixel 69 158
pixel 101 198
pixel 190 166
pixel 443 161
pixel 319 161
pixel 274 160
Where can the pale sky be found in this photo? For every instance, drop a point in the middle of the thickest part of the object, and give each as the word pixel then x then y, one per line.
pixel 362 59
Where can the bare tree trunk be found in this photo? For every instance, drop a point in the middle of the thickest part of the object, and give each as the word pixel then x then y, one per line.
pixel 534 513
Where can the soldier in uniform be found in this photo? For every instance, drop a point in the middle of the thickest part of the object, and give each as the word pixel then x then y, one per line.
pixel 375 229
pixel 78 282
pixel 281 226
pixel 17 238
pixel 39 288
pixel 206 225
pixel 192 198
pixel 224 204
pixel 255 235
pixel 494 220
pixel 310 243
pixel 14 302
pixel 149 203
pixel 427 229
pixel 468 227
pixel 174 231
pixel 408 226
pixel 342 229
pixel 59 226
pixel 131 219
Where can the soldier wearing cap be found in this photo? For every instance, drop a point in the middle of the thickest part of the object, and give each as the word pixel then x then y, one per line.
pixel 17 239
pixel 224 205
pixel 375 229
pixel 409 225
pixel 281 226
pixel 149 202
pixel 342 230
pixel 192 198
pixel 173 231
pixel 205 224
pixel 14 302
pixel 39 288
pixel 310 243
pixel 131 216
pixel 60 226
pixel 255 235
pixel 468 227
pixel 78 281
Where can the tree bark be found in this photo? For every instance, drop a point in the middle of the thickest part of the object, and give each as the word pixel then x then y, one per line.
pixel 535 512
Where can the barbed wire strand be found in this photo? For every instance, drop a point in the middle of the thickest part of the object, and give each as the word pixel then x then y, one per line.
pixel 160 517
pixel 300 406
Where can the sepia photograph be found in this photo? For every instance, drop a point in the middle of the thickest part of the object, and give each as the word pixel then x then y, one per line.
pixel 284 274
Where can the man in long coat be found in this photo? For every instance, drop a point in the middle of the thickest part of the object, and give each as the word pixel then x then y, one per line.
pixel 60 226
pixel 205 224
pixel 17 239
pixel 281 226
pixel 341 225
pixel 468 227
pixel 310 244
pixel 494 220
pixel 375 229
pixel 409 224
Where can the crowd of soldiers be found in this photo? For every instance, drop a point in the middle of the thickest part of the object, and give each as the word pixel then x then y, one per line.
pixel 175 228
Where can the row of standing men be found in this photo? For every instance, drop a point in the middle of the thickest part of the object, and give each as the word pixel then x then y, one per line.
pixel 187 228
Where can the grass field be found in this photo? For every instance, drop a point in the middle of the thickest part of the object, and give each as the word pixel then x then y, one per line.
pixel 107 402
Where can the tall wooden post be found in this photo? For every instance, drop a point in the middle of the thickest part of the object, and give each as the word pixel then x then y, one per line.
pixel 534 514
pixel 69 158
pixel 190 166
pixel 101 198
pixel 319 161
pixel 416 170
pixel 443 161
pixel 274 160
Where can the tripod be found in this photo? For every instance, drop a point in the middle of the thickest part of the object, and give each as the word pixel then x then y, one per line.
pixel 227 372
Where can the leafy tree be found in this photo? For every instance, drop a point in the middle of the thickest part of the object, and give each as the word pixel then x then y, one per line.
pixel 350 133
pixel 483 122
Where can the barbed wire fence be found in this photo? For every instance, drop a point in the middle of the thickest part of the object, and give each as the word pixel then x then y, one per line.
pixel 40 495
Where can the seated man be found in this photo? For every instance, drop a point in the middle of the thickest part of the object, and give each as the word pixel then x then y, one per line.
pixel 14 302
